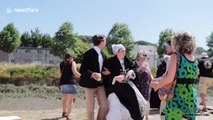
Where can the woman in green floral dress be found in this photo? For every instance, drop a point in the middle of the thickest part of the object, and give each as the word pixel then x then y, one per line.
pixel 183 105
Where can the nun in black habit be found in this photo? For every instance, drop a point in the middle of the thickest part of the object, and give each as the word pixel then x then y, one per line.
pixel 122 99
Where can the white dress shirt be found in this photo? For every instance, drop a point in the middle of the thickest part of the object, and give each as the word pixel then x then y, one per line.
pixel 100 58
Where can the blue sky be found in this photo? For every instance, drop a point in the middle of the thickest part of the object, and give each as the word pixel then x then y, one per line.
pixel 145 18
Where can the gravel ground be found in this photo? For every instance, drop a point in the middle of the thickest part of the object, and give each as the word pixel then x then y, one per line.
pixel 50 109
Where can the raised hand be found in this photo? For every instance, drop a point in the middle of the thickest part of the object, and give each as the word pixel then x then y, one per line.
pixel 130 74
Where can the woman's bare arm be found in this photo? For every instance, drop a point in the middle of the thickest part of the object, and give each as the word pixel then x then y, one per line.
pixel 169 77
pixel 74 70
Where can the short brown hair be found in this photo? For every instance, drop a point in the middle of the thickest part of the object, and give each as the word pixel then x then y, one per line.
pixel 184 42
pixel 68 56
pixel 96 39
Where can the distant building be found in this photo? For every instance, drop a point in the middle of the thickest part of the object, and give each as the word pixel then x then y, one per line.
pixel 30 55
pixel 42 56
pixel 152 54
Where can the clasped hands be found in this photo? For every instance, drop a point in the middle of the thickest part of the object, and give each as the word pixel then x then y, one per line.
pixel 155 82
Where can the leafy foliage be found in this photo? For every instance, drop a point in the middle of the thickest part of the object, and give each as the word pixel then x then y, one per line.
pixel 210 44
pixel 9 38
pixel 164 36
pixel 47 41
pixel 35 38
pixel 79 49
pixel 210 40
pixel 26 40
pixel 120 34
pixel 64 40
pixel 26 74
pixel 86 39
pixel 30 72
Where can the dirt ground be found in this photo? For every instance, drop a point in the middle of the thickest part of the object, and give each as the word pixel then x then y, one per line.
pixel 50 109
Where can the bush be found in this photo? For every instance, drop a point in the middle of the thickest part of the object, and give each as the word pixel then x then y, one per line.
pixel 8 88
pixel 27 74
pixel 32 90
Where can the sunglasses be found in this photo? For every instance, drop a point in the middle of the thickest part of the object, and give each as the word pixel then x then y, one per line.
pixel 145 55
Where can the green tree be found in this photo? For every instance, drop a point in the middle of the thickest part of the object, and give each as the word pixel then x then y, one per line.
pixel 120 34
pixel 79 49
pixel 64 40
pixel 85 38
pixel 26 40
pixel 9 38
pixel 164 36
pixel 210 44
pixel 47 41
pixel 36 38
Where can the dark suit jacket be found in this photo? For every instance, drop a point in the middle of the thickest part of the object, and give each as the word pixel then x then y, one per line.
pixel 89 65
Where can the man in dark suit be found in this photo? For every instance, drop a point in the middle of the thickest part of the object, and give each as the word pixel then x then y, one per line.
pixel 91 68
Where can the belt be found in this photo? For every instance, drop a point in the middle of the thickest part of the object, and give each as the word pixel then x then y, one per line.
pixel 186 81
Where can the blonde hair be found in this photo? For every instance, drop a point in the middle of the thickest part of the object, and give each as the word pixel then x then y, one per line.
pixel 140 54
pixel 183 42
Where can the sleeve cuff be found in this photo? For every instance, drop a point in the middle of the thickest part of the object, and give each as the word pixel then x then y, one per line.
pixel 113 81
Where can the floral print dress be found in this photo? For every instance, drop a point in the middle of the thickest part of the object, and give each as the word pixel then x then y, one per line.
pixel 143 82
pixel 183 104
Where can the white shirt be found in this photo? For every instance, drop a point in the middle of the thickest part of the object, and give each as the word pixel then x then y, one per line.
pixel 122 64
pixel 100 58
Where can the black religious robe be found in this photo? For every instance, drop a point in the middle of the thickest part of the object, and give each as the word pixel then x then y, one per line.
pixel 124 91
